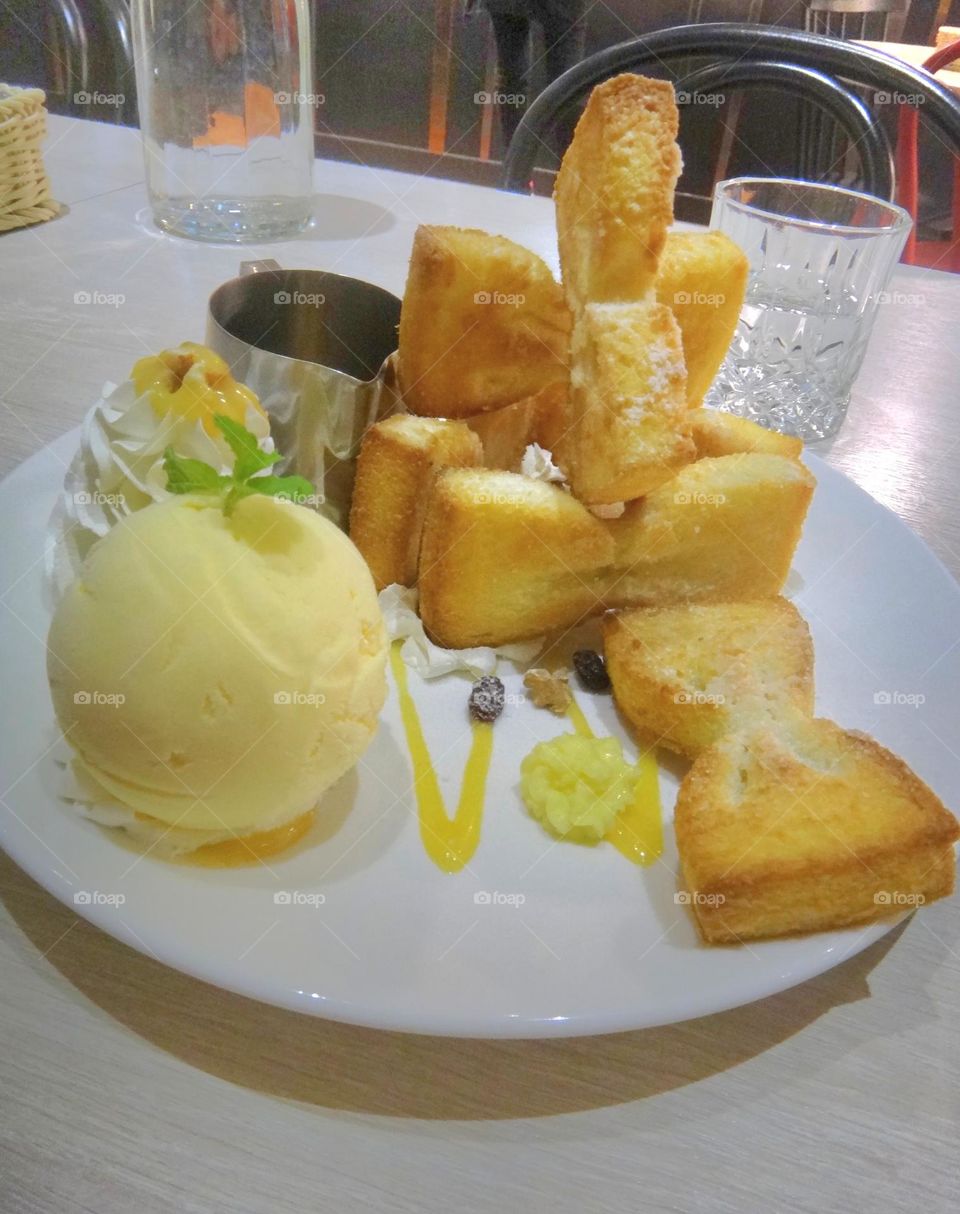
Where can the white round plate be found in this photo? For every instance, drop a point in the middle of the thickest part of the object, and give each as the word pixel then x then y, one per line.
pixel 534 938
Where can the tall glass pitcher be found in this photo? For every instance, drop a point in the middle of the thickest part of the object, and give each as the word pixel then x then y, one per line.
pixel 226 113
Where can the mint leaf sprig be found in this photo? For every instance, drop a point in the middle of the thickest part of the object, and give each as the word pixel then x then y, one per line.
pixel 249 463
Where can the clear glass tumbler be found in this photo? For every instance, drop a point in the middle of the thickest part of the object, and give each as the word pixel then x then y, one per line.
pixel 226 114
pixel 820 260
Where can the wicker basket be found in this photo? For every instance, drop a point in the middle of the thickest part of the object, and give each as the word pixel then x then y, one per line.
pixel 24 186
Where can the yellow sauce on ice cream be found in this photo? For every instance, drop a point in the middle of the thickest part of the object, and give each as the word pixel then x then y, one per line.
pixel 234 853
pixel 193 383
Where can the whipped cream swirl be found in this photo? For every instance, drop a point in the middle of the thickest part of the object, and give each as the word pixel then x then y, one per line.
pixel 119 469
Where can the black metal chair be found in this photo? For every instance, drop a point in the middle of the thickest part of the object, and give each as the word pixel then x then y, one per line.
pixel 754 55
pixel 822 146
pixel 846 109
pixel 113 24
pixel 65 37
pixel 86 55
pixel 879 20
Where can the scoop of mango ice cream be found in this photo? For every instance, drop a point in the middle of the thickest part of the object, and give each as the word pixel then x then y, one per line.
pixel 219 672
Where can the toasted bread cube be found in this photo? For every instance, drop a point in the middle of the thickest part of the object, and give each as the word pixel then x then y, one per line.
pixel 483 324
pixel 506 558
pixel 808 828
pixel 717 433
pixel 722 529
pixel 702 278
pixel 687 675
pixel 627 406
pixel 398 461
pixel 614 191
pixel 506 433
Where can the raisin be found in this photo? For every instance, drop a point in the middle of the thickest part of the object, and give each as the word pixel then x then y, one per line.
pixel 592 670
pixel 486 698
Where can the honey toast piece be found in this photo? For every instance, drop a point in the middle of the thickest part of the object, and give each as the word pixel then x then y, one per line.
pixel 506 433
pixel 614 191
pixel 702 278
pixel 399 458
pixel 483 324
pixel 506 558
pixel 722 529
pixel 627 412
pixel 807 828
pixel 717 433
pixel 687 675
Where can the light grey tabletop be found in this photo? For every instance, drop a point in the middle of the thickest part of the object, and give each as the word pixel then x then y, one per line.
pixel 125 1086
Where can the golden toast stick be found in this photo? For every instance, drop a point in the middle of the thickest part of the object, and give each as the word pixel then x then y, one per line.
pixel 628 429
pixel 614 191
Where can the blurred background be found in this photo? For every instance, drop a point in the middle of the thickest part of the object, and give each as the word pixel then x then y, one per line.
pixel 414 84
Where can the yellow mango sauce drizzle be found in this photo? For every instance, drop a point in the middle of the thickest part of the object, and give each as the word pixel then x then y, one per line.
pixel 193 383
pixel 235 853
pixel 449 842
pixel 638 831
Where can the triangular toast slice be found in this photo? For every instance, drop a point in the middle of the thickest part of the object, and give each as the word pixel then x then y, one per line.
pixel 702 278
pixel 722 529
pixel 716 433
pixel 506 433
pixel 507 558
pixel 483 324
pixel 398 461
pixel 685 676
pixel 807 828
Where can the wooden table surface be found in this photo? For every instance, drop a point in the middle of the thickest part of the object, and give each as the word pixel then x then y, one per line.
pixel 126 1087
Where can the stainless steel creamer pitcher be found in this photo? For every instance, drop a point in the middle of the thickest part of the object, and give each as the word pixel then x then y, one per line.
pixel 316 348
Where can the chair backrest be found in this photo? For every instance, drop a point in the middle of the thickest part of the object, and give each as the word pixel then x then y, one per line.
pixel 66 40
pixel 754 8
pixel 846 109
pixel 736 45
pixel 876 20
pixel 113 26
pixel 943 255
pixel 87 65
